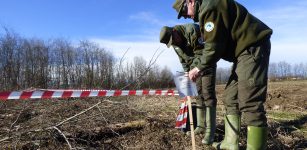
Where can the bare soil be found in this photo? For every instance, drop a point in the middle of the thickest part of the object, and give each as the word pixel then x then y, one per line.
pixel 145 122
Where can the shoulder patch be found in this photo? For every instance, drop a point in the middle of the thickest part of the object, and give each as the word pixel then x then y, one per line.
pixel 209 26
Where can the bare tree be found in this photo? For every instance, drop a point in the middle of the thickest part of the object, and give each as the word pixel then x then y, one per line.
pixel 62 57
pixel 35 63
pixel 222 75
pixel 59 64
pixel 298 71
pixel 284 69
pixel 10 54
pixel 273 72
pixel 166 78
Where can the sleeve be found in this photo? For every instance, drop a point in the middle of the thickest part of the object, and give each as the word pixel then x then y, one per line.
pixel 215 36
pixel 193 36
pixel 183 58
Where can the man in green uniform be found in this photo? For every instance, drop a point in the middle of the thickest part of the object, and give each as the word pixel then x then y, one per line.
pixel 233 34
pixel 188 44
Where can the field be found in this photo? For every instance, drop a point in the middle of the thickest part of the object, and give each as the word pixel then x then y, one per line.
pixel 139 122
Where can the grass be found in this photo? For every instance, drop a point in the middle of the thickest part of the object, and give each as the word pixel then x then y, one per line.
pixel 297 121
pixel 284 116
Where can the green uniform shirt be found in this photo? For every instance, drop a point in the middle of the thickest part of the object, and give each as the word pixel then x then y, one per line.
pixel 190 50
pixel 228 28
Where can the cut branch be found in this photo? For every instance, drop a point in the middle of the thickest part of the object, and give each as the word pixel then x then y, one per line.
pixel 70 147
pixel 121 127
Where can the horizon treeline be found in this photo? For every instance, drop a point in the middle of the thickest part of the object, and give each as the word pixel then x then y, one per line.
pixel 57 63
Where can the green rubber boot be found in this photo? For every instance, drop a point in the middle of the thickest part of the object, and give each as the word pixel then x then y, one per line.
pixel 200 128
pixel 257 138
pixel 200 123
pixel 232 132
pixel 210 125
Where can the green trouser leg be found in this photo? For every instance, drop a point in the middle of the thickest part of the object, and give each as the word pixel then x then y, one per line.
pixel 257 138
pixel 232 132
pixel 200 124
pixel 210 125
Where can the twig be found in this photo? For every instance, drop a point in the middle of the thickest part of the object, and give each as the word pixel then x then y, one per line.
pixel 16 119
pixel 112 102
pixel 54 127
pixel 12 125
pixel 77 114
pixel 6 138
pixel 88 117
pixel 296 107
pixel 93 106
pixel 58 124
pixel 119 69
pixel 122 58
pixel 279 118
pixel 106 121
pixel 150 64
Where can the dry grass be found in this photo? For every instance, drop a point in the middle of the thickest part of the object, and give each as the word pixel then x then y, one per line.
pixel 23 124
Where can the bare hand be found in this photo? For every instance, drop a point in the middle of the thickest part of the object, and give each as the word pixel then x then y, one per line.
pixel 193 74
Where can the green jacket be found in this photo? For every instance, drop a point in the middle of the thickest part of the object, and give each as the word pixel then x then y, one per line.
pixel 228 29
pixel 190 50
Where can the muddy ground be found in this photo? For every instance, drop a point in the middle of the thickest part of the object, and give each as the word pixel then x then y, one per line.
pixel 139 122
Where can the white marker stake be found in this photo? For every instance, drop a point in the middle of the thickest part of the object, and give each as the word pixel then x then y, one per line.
pixel 191 123
pixel 187 87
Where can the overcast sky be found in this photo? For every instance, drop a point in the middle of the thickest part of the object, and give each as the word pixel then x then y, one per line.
pixel 119 25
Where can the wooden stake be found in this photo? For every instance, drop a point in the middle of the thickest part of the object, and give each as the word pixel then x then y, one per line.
pixel 191 122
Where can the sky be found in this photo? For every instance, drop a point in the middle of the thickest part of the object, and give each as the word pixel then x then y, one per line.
pixel 134 25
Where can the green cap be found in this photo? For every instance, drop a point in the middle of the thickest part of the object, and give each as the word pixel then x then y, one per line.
pixel 178 6
pixel 166 36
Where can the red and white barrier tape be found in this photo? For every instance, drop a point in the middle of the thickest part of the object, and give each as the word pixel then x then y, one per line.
pixel 47 94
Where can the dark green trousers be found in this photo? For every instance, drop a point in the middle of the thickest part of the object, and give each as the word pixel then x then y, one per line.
pixel 247 86
pixel 206 88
